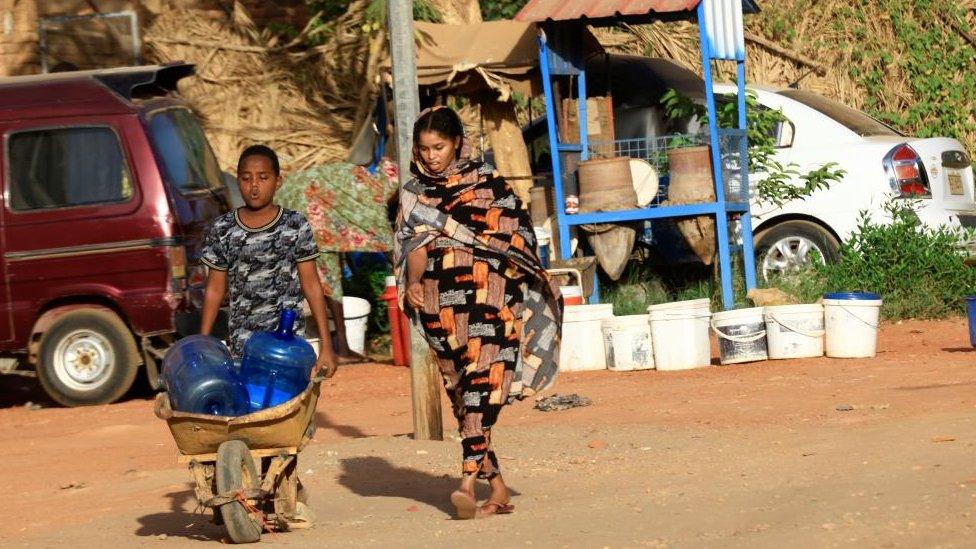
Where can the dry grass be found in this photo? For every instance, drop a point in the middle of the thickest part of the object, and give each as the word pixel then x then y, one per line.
pixel 817 36
pixel 250 89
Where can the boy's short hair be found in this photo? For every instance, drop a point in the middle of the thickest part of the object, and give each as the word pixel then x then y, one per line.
pixel 260 150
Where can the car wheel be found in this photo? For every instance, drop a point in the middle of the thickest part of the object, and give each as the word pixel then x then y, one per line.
pixel 87 357
pixel 793 245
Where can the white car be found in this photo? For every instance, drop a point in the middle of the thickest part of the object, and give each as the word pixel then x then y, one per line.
pixel 880 163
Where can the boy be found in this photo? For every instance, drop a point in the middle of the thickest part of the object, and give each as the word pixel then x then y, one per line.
pixel 265 255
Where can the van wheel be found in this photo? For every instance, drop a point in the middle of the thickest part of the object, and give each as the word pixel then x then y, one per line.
pixel 792 245
pixel 87 357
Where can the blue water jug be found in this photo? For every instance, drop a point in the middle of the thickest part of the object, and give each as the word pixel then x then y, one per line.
pixel 276 366
pixel 201 378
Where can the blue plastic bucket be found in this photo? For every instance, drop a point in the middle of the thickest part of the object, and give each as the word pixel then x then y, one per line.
pixel 971 313
pixel 865 296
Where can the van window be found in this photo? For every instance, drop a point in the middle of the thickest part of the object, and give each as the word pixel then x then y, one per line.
pixel 180 143
pixel 63 167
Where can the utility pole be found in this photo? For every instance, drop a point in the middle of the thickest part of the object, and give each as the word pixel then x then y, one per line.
pixel 424 378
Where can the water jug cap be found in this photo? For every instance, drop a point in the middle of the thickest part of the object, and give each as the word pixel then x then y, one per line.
pixel 286 326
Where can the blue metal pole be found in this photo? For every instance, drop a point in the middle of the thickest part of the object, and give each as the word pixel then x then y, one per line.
pixel 584 139
pixel 748 253
pixel 581 112
pixel 722 218
pixel 557 173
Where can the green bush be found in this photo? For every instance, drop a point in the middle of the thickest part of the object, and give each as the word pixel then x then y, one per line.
pixel 920 272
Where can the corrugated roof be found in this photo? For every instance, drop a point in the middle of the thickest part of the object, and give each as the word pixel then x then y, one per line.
pixel 559 10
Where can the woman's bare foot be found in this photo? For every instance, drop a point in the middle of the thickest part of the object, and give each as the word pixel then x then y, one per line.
pixel 465 505
pixel 499 491
pixel 498 501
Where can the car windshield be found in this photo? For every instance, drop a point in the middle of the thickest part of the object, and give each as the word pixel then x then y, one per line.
pixel 852 119
pixel 188 161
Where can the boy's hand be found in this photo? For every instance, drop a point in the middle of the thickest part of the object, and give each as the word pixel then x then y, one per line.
pixel 326 365
pixel 415 294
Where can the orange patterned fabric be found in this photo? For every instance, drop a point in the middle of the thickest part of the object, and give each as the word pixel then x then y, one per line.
pixel 490 311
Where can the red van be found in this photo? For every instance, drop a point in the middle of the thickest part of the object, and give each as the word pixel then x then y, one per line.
pixel 108 184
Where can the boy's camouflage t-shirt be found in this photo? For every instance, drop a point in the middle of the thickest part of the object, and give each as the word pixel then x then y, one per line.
pixel 262 270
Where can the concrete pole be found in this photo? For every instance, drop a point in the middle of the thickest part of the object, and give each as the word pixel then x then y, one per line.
pixel 424 378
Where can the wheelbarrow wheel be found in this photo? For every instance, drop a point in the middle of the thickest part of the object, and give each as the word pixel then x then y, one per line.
pixel 236 471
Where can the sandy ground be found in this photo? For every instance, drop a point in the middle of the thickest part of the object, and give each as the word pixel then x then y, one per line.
pixel 752 455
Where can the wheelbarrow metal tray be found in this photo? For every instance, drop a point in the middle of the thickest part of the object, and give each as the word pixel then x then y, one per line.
pixel 288 425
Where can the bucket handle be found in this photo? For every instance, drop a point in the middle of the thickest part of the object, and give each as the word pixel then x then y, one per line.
pixel 808 333
pixel 738 339
pixel 861 320
pixel 675 315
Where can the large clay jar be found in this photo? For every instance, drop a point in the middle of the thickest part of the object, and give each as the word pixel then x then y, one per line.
pixel 691 183
pixel 606 185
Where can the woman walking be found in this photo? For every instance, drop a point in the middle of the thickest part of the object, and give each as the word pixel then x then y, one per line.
pixel 466 263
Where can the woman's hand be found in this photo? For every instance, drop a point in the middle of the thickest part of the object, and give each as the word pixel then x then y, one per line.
pixel 415 294
pixel 326 364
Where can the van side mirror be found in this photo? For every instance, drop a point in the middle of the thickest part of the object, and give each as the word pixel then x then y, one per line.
pixel 236 200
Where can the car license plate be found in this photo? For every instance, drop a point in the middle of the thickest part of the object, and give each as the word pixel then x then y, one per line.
pixel 955 184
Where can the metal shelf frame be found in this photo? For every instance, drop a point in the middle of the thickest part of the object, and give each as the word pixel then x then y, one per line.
pixel 561 55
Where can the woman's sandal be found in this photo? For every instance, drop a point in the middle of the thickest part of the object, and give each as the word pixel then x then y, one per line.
pixel 494 508
pixel 464 504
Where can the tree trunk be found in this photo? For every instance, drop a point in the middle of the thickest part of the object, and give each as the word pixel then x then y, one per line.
pixel 458 12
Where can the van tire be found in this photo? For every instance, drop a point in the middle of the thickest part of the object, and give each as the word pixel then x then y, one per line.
pixel 87 357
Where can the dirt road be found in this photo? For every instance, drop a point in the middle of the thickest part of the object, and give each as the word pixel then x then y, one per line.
pixel 757 455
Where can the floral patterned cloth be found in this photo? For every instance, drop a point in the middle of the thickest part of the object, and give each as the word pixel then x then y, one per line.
pixel 347 208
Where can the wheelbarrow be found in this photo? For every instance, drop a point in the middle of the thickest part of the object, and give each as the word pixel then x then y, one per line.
pixel 246 468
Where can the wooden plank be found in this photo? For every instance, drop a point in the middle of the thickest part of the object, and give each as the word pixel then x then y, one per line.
pixel 425 384
pixel 256 454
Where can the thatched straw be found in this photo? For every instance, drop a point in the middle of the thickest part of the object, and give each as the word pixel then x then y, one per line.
pixel 819 31
pixel 248 90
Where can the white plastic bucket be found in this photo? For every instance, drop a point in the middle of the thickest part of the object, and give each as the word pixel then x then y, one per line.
pixel 355 311
pixel 794 331
pixel 679 334
pixel 582 340
pixel 851 323
pixel 741 335
pixel 627 342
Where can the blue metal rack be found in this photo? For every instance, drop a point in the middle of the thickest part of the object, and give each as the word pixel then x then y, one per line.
pixel 720 26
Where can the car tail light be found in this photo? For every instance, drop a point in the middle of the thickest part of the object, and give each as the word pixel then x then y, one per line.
pixel 906 174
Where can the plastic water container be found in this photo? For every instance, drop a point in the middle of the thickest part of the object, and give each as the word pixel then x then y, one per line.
pixel 851 324
pixel 794 331
pixel 741 335
pixel 355 311
pixel 276 366
pixel 582 341
pixel 572 295
pixel 679 334
pixel 201 378
pixel 627 341
pixel 543 239
pixel 971 313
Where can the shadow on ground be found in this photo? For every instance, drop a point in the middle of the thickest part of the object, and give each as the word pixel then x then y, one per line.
pixel 322 421
pixel 181 521
pixel 373 477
